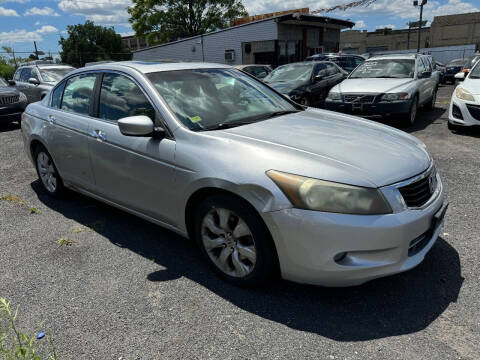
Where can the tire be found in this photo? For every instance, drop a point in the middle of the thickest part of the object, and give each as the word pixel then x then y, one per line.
pixel 430 106
pixel 47 173
pixel 247 258
pixel 412 114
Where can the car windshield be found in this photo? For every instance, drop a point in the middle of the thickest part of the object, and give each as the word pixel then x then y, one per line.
pixel 473 60
pixel 3 83
pixel 292 72
pixel 475 73
pixel 385 68
pixel 457 62
pixel 208 99
pixel 54 75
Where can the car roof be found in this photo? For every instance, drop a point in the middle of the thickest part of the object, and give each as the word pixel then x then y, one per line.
pixel 149 67
pixel 246 65
pixel 395 56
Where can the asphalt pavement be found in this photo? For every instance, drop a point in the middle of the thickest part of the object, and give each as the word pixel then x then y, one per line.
pixel 121 288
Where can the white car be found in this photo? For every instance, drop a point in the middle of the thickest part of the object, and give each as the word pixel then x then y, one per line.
pixel 465 104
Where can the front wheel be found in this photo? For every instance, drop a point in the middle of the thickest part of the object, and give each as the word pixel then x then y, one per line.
pixel 235 241
pixel 412 114
pixel 431 104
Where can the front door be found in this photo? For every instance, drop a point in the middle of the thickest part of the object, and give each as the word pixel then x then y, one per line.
pixel 136 172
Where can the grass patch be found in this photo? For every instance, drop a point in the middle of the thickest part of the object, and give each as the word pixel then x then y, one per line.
pixel 34 210
pixel 80 229
pixel 16 344
pixel 63 241
pixel 13 199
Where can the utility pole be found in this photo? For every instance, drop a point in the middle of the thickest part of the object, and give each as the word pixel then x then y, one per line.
pixel 416 3
pixel 36 51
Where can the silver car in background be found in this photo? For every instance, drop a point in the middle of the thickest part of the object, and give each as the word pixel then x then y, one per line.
pixel 264 185
pixel 388 86
pixel 36 79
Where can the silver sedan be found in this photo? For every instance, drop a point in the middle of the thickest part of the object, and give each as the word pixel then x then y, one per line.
pixel 264 185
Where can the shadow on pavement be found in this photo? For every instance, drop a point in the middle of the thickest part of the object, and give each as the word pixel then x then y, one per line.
pixel 9 126
pixel 396 305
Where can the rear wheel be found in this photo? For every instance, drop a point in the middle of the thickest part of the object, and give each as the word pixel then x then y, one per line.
pixel 235 241
pixel 47 172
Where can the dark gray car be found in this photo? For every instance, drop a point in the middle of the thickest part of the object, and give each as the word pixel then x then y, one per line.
pixel 36 80
pixel 12 103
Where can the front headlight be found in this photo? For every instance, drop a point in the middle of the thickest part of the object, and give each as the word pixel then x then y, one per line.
pixel 22 97
pixel 463 94
pixel 395 96
pixel 334 96
pixel 320 195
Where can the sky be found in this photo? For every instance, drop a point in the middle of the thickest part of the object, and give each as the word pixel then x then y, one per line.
pixel 44 21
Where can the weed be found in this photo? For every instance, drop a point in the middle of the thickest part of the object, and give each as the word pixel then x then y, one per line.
pixel 15 344
pixel 79 229
pixel 63 241
pixel 13 199
pixel 34 210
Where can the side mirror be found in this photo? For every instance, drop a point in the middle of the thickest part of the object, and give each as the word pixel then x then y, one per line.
pixel 11 83
pixel 460 76
pixel 140 125
pixel 318 78
pixel 425 74
pixel 34 81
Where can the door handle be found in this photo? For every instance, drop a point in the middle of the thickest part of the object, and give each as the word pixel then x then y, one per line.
pixel 51 119
pixel 98 134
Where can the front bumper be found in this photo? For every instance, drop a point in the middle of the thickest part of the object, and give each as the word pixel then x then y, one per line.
pixel 12 112
pixel 469 112
pixel 308 242
pixel 383 109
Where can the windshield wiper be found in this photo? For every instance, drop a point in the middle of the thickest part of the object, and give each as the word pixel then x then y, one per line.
pixel 229 125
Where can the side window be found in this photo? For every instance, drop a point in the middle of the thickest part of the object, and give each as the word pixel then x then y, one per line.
pixel 16 77
pixel 331 70
pixel 120 97
pixel 421 66
pixel 78 94
pixel 321 70
pixel 26 74
pixel 57 96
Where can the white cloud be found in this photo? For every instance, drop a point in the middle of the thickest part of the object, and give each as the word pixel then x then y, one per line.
pixel 7 12
pixel 107 12
pixel 360 24
pixel 46 29
pixel 22 35
pixel 389 26
pixel 37 23
pixel 46 11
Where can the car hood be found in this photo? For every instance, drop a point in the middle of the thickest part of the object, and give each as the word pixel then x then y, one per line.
pixel 286 87
pixel 472 85
pixel 373 85
pixel 332 146
pixel 8 91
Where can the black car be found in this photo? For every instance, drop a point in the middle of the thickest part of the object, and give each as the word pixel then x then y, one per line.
pixel 12 103
pixel 453 67
pixel 346 62
pixel 306 83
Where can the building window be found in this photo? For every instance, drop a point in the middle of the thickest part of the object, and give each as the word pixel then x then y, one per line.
pixel 229 55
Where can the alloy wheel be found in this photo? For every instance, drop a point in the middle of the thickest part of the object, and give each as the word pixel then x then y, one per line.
pixel 229 242
pixel 47 171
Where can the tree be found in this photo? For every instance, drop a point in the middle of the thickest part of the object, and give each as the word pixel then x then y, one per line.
pixel 166 20
pixel 90 42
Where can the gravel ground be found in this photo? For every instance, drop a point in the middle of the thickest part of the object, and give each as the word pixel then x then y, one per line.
pixel 126 289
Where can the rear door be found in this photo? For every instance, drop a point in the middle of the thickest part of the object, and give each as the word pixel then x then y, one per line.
pixel 136 172
pixel 423 83
pixel 319 88
pixel 68 122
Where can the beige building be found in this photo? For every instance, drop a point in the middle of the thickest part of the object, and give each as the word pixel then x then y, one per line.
pixel 448 30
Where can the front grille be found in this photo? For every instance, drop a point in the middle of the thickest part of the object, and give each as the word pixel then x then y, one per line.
pixel 474 110
pixel 419 192
pixel 456 112
pixel 358 98
pixel 5 100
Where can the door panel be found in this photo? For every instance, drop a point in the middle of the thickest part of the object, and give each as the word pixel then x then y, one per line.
pixel 136 172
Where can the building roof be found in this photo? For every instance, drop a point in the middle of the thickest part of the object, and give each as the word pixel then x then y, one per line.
pixel 295 19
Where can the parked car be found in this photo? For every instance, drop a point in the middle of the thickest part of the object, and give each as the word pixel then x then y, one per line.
pixel 306 83
pixel 346 62
pixel 387 86
pixel 328 199
pixel 464 108
pixel 442 68
pixel 471 62
pixel 12 103
pixel 452 68
pixel 436 73
pixel 36 79
pixel 259 71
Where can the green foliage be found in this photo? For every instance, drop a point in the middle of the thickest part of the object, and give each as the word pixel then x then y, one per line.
pixel 18 345
pixel 89 43
pixel 64 241
pixel 166 20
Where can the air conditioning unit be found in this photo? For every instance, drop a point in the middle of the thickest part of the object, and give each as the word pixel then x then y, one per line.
pixel 229 55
